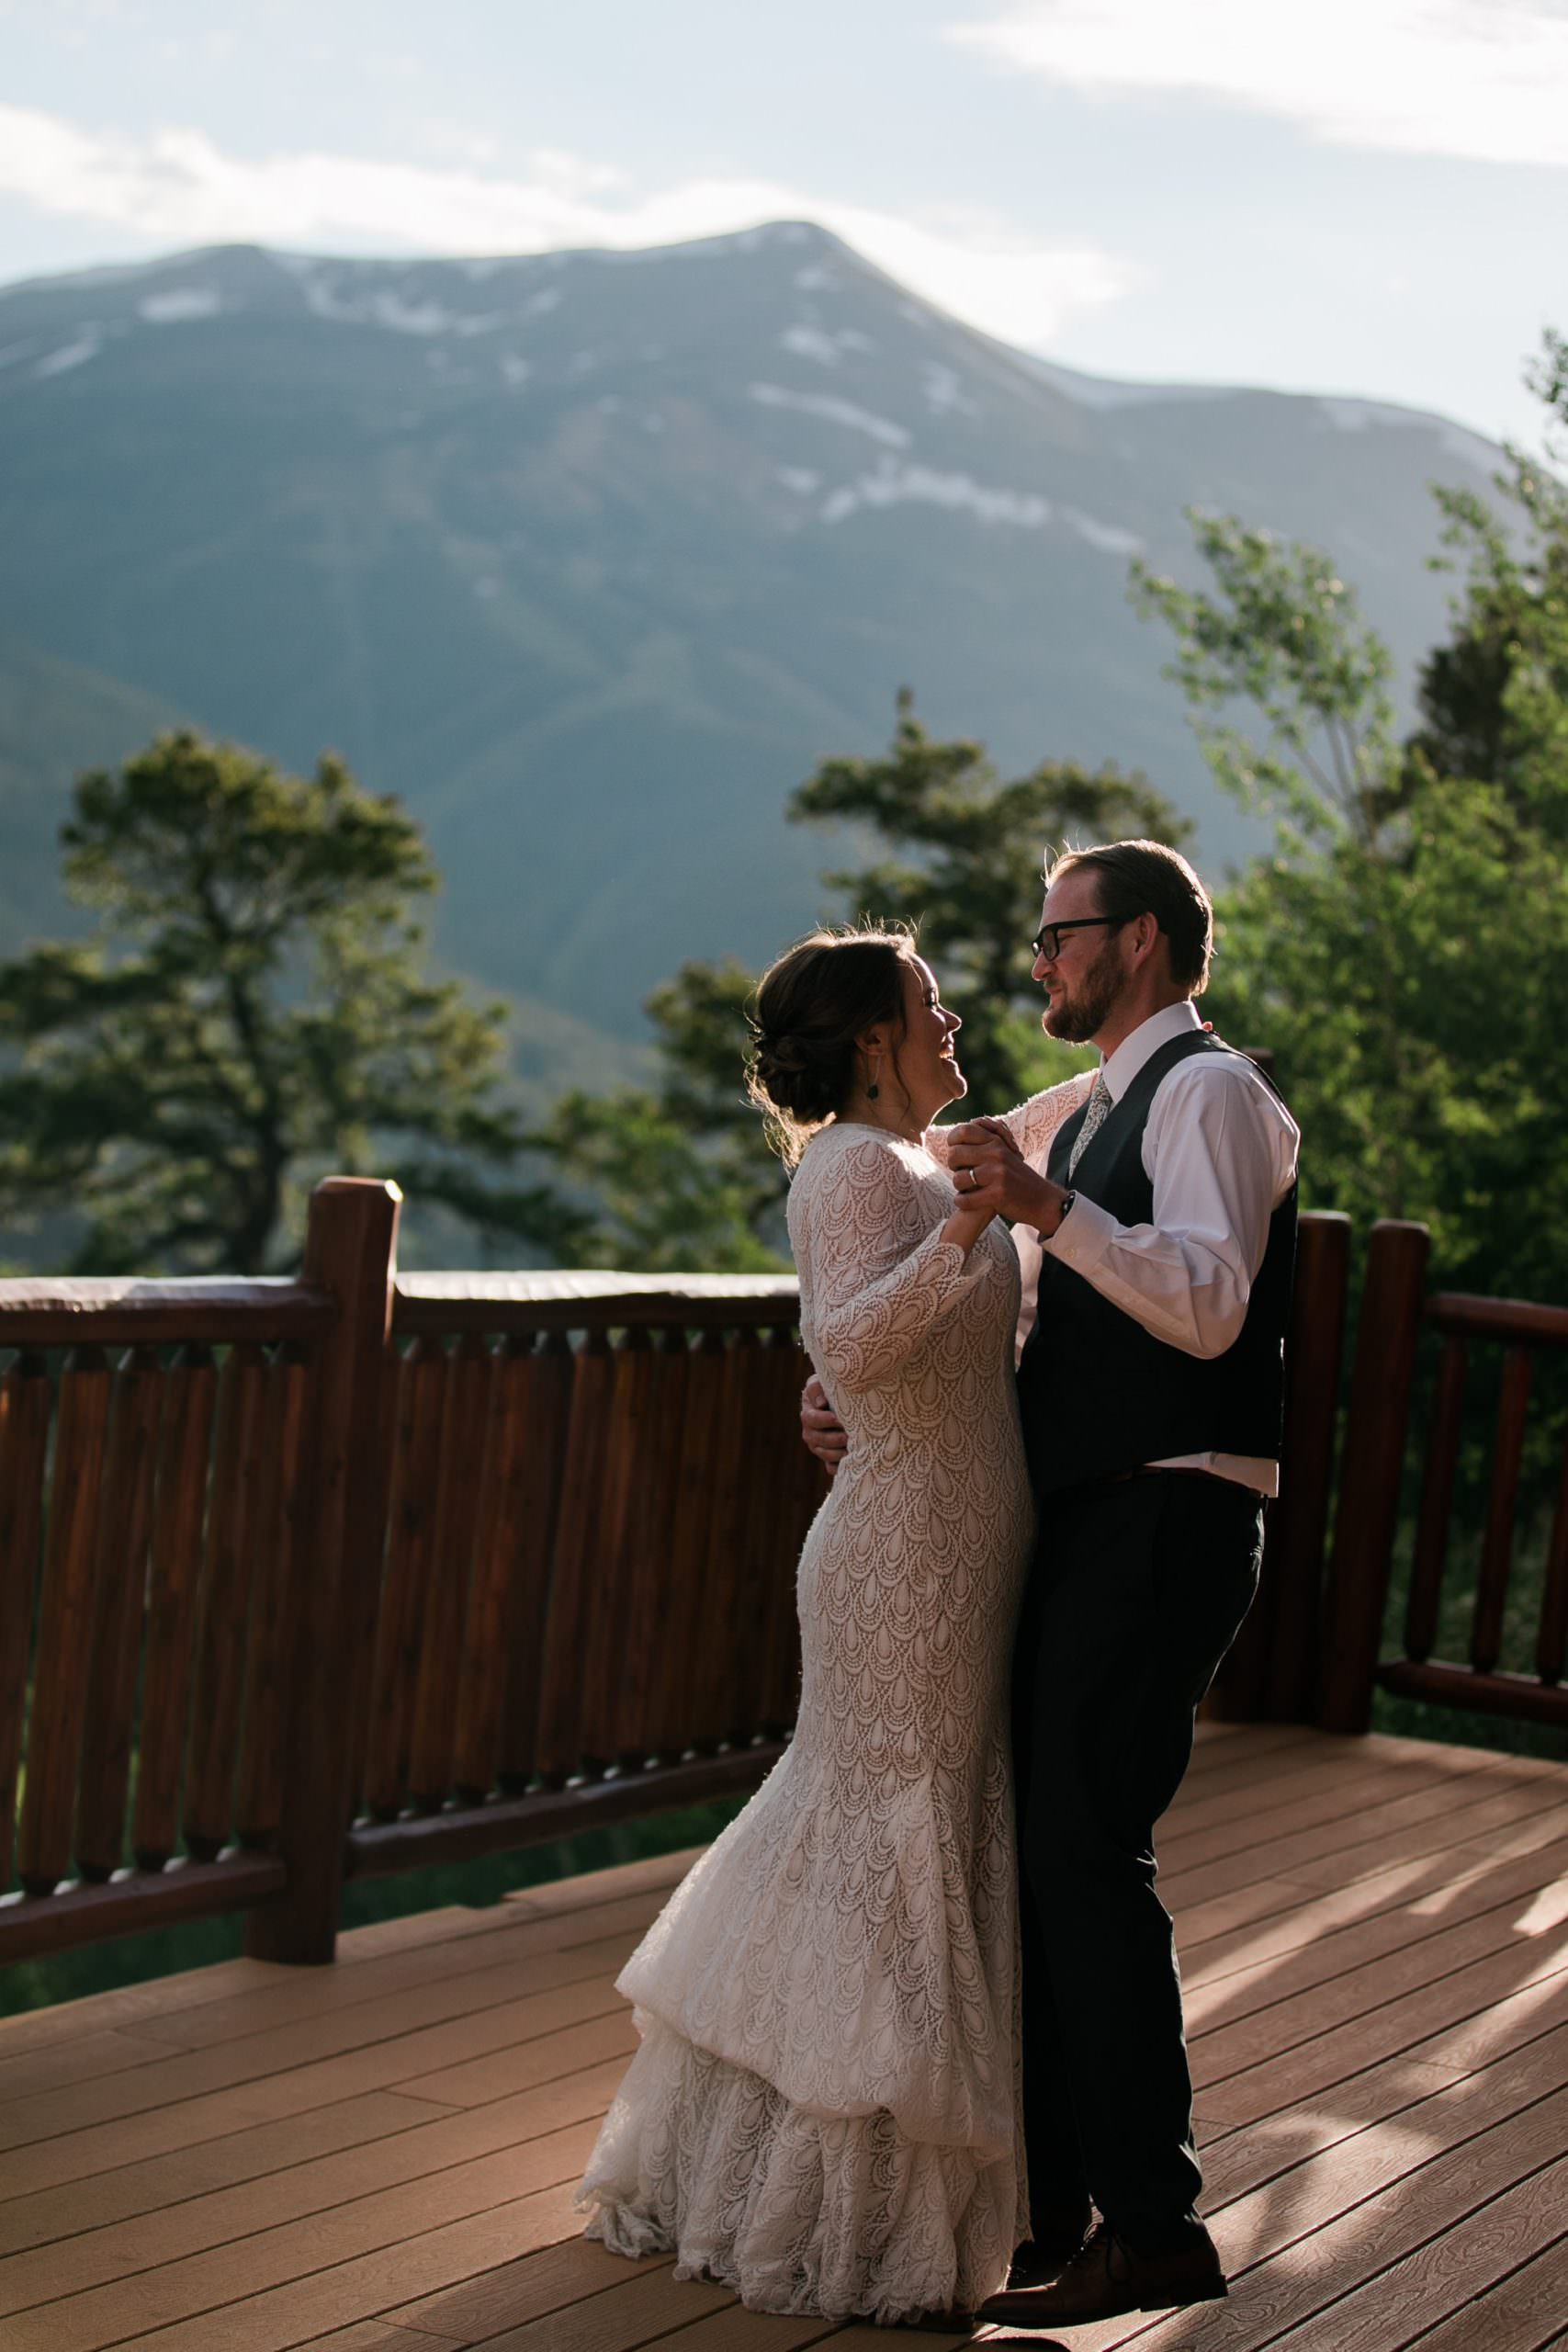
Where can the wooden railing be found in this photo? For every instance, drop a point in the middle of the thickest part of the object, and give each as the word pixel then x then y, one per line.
pixel 299 1580
pixel 153 1518
pixel 1399 1323
pixel 353 1575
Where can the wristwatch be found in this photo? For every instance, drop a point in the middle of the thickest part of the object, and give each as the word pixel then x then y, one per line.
pixel 1067 1200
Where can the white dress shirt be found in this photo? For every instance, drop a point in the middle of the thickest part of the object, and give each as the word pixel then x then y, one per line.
pixel 1220 1151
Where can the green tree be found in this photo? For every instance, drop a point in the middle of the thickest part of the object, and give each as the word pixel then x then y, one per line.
pixel 251 1014
pixel 1400 948
pixel 676 1173
pixel 673 1175
pixel 962 853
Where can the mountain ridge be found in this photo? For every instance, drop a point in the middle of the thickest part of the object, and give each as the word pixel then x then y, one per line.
pixel 591 557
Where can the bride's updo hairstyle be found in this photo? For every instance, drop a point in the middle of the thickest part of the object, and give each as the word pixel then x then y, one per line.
pixel 812 1004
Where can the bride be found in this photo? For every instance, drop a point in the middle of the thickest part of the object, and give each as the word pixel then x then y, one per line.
pixel 823 2112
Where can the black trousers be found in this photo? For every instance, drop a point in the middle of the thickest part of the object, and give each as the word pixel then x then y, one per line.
pixel 1136 1591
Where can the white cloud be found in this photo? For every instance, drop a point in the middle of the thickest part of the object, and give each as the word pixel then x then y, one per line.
pixel 179 187
pixel 1486 80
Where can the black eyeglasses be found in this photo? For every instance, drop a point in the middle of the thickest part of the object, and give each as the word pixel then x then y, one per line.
pixel 1047 940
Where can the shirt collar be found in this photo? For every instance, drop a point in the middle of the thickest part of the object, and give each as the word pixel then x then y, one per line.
pixel 1122 1067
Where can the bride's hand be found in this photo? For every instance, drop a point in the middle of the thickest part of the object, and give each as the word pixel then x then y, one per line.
pixel 980 1192
pixel 983 1153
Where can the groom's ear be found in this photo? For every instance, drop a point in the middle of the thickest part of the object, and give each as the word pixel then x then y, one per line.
pixel 1145 932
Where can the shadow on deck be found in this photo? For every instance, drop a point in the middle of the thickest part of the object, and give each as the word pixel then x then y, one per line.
pixel 381 2156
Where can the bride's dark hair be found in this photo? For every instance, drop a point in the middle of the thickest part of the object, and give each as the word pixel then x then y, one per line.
pixel 811 1005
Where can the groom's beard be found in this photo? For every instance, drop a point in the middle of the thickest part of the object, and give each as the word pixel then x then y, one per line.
pixel 1076 1018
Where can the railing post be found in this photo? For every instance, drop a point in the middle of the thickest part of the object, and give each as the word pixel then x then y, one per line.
pixel 1371 1466
pixel 351 1252
pixel 1271 1674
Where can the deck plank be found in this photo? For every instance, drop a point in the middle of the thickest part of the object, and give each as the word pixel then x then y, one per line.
pixel 383 2156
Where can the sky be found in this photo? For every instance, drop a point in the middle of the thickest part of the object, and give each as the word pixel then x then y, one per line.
pixel 1363 197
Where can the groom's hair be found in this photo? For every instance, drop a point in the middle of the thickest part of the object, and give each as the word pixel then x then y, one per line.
pixel 1146 878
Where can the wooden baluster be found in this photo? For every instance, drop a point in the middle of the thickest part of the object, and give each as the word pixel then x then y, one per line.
pixel 560 1742
pixel 724 1579
pixel 1436 1504
pixel 654 1606
pixel 225 1604
pixel 457 1516
pixel 674 1698
pixel 636 1549
pixel 547 1418
pixel 772 1436
pixel 26 1405
pixel 1497 1550
pixel 351 1254
pixel 416 1472
pixel 278 1542
pixel 179 1513
pixel 800 1497
pixel 1371 1471
pixel 498 1544
pixel 124 1529
pixel 384 1377
pixel 617 1667
pixel 1552 1646
pixel 1299 1521
pixel 45 1834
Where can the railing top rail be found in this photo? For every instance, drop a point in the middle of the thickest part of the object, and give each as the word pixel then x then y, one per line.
pixel 127 1311
pixel 575 1299
pixel 1466 1315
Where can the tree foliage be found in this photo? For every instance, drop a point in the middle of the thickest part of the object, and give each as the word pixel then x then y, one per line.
pixel 673 1175
pixel 961 857
pixel 251 1014
pixel 676 1174
pixel 1400 948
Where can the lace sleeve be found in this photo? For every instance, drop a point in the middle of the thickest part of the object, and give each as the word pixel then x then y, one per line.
pixel 869 1297
pixel 1034 1123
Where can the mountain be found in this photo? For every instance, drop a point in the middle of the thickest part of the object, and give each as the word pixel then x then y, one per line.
pixel 591 555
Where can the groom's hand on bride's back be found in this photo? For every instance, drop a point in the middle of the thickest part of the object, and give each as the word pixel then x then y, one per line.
pixel 820 1426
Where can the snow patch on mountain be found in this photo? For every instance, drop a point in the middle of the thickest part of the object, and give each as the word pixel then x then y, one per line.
pixel 833 411
pixel 944 394
pixel 179 303
pixel 1357 416
pixel 86 346
pixel 897 485
pixel 349 295
pixel 800 479
pixel 810 343
pixel 817 343
pixel 1109 537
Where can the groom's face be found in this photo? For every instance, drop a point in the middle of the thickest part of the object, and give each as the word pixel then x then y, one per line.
pixel 1084 978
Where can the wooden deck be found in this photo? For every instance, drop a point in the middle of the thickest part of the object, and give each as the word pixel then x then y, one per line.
pixel 380 2156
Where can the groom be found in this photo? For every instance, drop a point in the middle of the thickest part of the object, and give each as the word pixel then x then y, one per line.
pixel 1151 1393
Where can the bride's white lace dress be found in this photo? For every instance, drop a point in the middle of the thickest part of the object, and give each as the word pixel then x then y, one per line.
pixel 824 2109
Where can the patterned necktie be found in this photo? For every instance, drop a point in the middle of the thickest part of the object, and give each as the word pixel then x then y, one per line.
pixel 1093 1120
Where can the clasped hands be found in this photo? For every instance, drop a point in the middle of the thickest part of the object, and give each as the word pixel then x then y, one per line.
pixel 991 1175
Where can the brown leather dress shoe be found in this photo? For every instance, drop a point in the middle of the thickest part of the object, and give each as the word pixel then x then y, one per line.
pixel 1106 2279
pixel 1047 2254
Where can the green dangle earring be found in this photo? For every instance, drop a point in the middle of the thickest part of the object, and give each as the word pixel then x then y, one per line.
pixel 874 1089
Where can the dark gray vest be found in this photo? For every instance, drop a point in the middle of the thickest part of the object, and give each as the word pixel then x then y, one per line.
pixel 1096 1392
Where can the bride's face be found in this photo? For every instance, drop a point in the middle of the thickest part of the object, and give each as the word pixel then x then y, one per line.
pixel 927 1062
